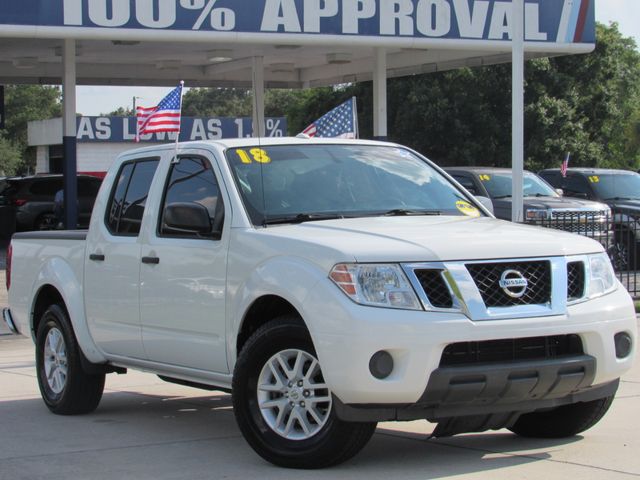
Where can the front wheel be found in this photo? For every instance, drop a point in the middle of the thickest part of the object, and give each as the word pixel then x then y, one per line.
pixel 282 404
pixel 66 389
pixel 561 422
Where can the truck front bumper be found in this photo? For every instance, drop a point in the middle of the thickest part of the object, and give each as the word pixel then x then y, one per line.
pixel 416 342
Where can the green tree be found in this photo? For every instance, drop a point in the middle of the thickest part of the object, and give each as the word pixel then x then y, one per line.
pixel 10 158
pixel 24 103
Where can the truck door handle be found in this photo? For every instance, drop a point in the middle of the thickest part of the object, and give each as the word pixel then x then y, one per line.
pixel 151 260
pixel 96 257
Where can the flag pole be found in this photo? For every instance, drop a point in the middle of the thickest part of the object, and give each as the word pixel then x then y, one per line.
pixel 180 127
pixel 135 112
pixel 355 117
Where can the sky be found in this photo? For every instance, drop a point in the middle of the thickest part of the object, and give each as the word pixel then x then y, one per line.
pixel 93 101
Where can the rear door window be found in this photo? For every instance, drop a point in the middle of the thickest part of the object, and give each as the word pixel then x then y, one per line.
pixel 129 197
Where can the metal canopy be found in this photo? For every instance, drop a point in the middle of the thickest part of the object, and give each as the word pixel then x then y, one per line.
pixel 304 43
pixel 158 63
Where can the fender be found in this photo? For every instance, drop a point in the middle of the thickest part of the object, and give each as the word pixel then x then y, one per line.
pixel 59 274
pixel 291 278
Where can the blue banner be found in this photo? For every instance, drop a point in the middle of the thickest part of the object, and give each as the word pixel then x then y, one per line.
pixel 558 21
pixel 123 129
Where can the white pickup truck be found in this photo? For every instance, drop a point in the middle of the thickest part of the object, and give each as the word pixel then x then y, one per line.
pixel 329 285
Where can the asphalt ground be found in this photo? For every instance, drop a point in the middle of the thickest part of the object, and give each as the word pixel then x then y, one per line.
pixel 148 429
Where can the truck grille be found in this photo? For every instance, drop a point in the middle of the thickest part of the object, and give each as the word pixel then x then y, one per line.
pixel 435 288
pixel 585 223
pixel 511 350
pixel 575 281
pixel 487 277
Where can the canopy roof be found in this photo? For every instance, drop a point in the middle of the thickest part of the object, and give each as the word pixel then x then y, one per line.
pixel 304 42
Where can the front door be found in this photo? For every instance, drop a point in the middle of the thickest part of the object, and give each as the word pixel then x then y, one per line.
pixel 183 273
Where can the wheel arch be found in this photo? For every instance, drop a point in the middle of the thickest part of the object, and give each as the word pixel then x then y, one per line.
pixel 57 283
pixel 261 311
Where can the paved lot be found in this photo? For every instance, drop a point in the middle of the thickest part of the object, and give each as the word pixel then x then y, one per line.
pixel 148 429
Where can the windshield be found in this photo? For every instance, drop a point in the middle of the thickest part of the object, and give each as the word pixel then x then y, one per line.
pixel 293 183
pixel 623 186
pixel 499 185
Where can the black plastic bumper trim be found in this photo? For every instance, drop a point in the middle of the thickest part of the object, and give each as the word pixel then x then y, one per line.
pixel 8 319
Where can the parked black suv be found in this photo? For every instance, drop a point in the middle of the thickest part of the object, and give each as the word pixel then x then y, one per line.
pixel 620 189
pixel 33 199
pixel 543 206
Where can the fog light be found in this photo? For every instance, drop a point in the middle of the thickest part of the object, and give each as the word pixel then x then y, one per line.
pixel 381 364
pixel 623 344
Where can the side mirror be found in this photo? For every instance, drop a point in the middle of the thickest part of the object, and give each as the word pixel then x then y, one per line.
pixel 187 217
pixel 486 203
pixel 560 192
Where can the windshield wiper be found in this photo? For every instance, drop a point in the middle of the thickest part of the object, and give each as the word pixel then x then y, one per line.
pixel 301 218
pixel 620 198
pixel 401 212
pixel 500 197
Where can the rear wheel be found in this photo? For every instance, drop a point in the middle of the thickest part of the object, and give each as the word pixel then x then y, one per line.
pixel 565 421
pixel 66 389
pixel 282 404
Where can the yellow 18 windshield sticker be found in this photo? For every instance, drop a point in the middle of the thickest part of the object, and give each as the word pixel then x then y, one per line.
pixel 594 179
pixel 254 155
pixel 485 178
pixel 467 209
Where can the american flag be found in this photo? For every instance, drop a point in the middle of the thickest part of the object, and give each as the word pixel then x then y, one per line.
pixel 340 122
pixel 565 166
pixel 165 117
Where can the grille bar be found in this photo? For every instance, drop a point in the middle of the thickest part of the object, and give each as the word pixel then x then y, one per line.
pixel 575 281
pixel 487 278
pixel 511 350
pixel 434 288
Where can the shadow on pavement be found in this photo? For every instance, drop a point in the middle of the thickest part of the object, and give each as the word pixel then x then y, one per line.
pixel 135 435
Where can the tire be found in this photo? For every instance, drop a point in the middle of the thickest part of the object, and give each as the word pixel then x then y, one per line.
pixel 65 388
pixel 561 422
pixel 275 432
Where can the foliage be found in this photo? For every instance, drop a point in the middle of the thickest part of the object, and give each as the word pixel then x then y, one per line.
pixel 588 105
pixel 24 103
pixel 10 158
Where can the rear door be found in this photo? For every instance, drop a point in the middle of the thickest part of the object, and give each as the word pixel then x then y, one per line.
pixel 183 274
pixel 112 265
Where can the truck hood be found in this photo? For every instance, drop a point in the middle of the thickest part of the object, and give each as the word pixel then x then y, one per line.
pixel 423 239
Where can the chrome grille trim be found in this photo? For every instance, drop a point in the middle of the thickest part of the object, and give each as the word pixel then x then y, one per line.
pixel 468 300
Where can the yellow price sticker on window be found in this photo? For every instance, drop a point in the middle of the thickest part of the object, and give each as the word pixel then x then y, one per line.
pixel 485 178
pixel 467 209
pixel 254 155
pixel 594 179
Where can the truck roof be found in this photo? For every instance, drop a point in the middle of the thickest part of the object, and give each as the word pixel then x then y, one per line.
pixel 264 141
pixel 597 171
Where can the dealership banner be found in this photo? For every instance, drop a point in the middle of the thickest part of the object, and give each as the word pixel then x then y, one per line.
pixel 557 21
pixel 123 129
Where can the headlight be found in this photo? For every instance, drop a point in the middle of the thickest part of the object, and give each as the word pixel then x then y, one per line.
pixel 378 285
pixel 602 278
pixel 536 214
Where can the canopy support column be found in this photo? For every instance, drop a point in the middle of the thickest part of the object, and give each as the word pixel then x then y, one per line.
pixel 258 96
pixel 517 101
pixel 380 95
pixel 70 167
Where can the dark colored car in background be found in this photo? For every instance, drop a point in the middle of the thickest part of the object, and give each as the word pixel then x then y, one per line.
pixel 620 189
pixel 32 199
pixel 543 206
